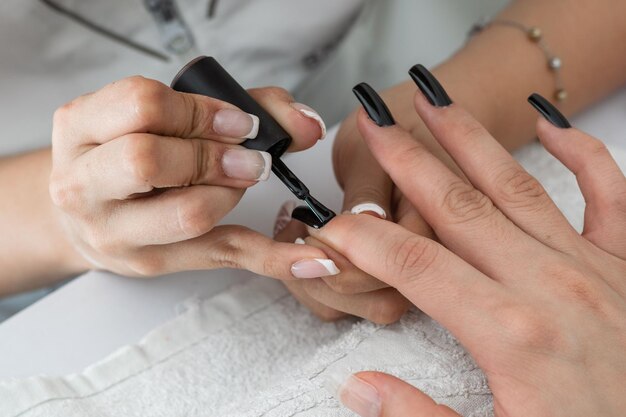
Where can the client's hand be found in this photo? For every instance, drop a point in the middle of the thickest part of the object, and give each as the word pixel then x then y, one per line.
pixel 141 175
pixel 541 308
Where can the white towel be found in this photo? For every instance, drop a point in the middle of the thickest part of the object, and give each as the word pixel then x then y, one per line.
pixel 253 351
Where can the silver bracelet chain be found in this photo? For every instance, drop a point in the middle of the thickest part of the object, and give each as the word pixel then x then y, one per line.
pixel 535 35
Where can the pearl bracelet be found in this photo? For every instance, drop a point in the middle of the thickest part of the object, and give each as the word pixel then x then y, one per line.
pixel 535 35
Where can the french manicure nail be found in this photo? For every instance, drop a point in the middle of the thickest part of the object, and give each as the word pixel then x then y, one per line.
pixel 314 268
pixel 548 111
pixel 299 241
pixel 359 396
pixel 247 164
pixel 236 124
pixel 369 207
pixel 311 114
pixel 284 216
pixel 429 86
pixel 374 105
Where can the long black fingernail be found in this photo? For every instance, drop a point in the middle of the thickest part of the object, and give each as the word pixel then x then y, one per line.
pixel 429 86
pixel 547 110
pixel 373 105
pixel 306 216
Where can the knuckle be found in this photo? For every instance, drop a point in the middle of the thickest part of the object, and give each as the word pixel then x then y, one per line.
pixel 515 186
pixel 472 130
pixel 529 329
pixel 65 192
pixel 229 250
pixel 206 161
pixel 574 284
pixel 140 157
pixel 412 258
pixel 274 266
pixel 201 112
pixel 596 148
pixel 463 203
pixel 193 217
pixel 61 116
pixel 145 98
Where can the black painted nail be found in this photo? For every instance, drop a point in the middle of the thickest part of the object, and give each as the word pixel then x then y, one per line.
pixel 429 86
pixel 373 105
pixel 306 216
pixel 547 110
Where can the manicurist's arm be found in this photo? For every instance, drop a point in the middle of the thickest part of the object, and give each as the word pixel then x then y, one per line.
pixel 138 177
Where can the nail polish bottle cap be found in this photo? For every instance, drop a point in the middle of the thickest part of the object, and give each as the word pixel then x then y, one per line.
pixel 204 75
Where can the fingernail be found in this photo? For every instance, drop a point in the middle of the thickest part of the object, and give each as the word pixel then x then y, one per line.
pixel 236 124
pixel 547 110
pixel 299 241
pixel 369 207
pixel 314 268
pixel 311 114
pixel 284 216
pixel 429 86
pixel 374 105
pixel 354 393
pixel 247 164
pixel 306 216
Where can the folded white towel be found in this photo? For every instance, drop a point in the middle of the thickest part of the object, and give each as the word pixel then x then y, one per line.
pixel 253 351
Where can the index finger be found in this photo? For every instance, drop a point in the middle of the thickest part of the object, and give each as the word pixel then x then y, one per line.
pixel 437 281
pixel 141 105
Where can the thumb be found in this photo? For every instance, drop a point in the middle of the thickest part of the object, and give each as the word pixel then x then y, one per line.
pixel 374 394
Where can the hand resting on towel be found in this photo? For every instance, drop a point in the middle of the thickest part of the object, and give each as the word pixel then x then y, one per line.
pixel 541 308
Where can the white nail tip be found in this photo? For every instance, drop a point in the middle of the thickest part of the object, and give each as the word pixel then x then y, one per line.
pixel 313 115
pixel 329 265
pixel 373 207
pixel 267 168
pixel 255 127
pixel 299 241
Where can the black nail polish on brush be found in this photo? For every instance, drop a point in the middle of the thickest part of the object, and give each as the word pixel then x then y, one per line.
pixel 429 86
pixel 204 75
pixel 374 105
pixel 547 110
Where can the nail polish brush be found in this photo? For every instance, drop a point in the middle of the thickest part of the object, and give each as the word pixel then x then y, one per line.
pixel 204 75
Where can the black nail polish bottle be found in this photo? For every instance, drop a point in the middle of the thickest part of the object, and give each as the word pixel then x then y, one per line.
pixel 204 75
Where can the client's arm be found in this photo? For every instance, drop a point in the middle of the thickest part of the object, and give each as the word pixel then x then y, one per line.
pixel 490 76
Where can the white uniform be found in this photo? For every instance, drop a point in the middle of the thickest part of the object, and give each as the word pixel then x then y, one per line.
pixel 47 58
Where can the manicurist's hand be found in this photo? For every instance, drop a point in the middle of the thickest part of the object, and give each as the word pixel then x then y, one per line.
pixel 142 174
pixel 541 308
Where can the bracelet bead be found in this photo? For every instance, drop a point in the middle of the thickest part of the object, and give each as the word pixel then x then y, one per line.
pixel 535 35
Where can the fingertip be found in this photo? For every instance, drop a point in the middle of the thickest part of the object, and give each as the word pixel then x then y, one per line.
pixel 313 115
pixel 546 130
